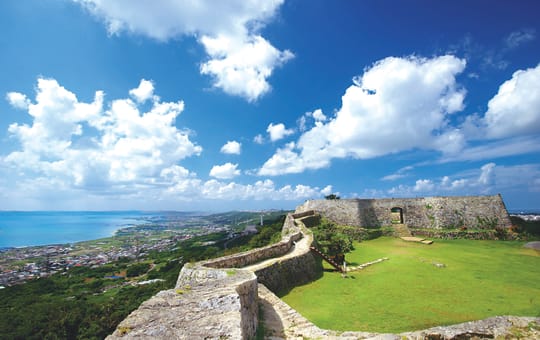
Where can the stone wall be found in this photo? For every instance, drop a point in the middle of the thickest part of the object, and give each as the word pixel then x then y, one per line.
pixel 219 298
pixel 206 304
pixel 291 271
pixel 290 235
pixel 482 212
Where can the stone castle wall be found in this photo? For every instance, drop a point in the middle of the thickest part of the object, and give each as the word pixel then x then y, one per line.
pixel 483 212
pixel 290 235
pixel 218 298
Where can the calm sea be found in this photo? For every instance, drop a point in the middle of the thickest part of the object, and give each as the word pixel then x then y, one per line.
pixel 18 229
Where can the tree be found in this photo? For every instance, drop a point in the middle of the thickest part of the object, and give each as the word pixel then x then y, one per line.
pixel 332 197
pixel 332 241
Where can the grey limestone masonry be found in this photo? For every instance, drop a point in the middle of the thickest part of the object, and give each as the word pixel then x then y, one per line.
pixel 222 298
pixel 482 212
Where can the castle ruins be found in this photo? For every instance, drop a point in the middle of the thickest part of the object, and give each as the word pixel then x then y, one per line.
pixel 224 298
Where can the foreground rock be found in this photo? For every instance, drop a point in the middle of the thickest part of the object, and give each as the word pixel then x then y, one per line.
pixel 208 304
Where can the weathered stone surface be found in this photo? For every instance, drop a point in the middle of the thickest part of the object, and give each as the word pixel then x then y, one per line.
pixel 499 327
pixel 423 212
pixel 205 305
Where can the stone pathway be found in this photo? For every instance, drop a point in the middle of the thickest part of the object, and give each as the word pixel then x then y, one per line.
pixel 416 239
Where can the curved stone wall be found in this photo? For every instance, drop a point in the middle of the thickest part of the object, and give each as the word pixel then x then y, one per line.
pixel 219 298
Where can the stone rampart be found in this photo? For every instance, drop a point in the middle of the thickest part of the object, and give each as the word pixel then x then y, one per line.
pixel 291 270
pixel 253 256
pixel 219 298
pixel 481 212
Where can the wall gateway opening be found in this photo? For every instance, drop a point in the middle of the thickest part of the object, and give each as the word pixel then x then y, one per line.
pixel 396 215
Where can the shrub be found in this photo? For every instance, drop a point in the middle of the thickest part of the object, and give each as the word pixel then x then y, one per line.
pixel 331 239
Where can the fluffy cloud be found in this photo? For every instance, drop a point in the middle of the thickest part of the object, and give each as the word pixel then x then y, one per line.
pixel 318 116
pixel 144 92
pixel 398 104
pixel 515 109
pixel 93 148
pixel 327 190
pixel 225 171
pixel 260 190
pixel 240 60
pixel 278 131
pixel 424 185
pixel 75 154
pixel 18 100
pixel 232 147
pixel 241 66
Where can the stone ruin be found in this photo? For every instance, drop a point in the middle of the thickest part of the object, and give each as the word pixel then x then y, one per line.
pixel 232 296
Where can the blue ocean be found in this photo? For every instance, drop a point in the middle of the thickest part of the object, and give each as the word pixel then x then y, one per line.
pixel 19 229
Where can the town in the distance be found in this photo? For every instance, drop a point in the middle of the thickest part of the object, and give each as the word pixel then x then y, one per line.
pixel 18 265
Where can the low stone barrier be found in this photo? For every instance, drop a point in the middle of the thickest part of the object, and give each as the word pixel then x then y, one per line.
pixel 253 256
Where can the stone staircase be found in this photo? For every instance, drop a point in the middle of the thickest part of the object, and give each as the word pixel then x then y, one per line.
pixel 327 259
pixel 401 230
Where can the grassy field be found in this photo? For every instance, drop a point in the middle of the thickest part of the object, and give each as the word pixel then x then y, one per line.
pixel 410 292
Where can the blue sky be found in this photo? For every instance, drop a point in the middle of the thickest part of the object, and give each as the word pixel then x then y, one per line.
pixel 248 104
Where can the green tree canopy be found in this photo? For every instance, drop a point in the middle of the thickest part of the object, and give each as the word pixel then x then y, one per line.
pixel 331 240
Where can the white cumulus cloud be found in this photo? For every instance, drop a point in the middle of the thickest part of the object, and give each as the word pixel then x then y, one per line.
pixel 515 109
pixel 89 147
pixel 225 171
pixel 144 92
pixel 398 104
pixel 241 65
pixel 232 147
pixel 240 60
pixel 116 155
pixel 18 100
pixel 278 131
pixel 424 185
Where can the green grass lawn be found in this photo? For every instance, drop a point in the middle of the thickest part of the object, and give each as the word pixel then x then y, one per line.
pixel 408 292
